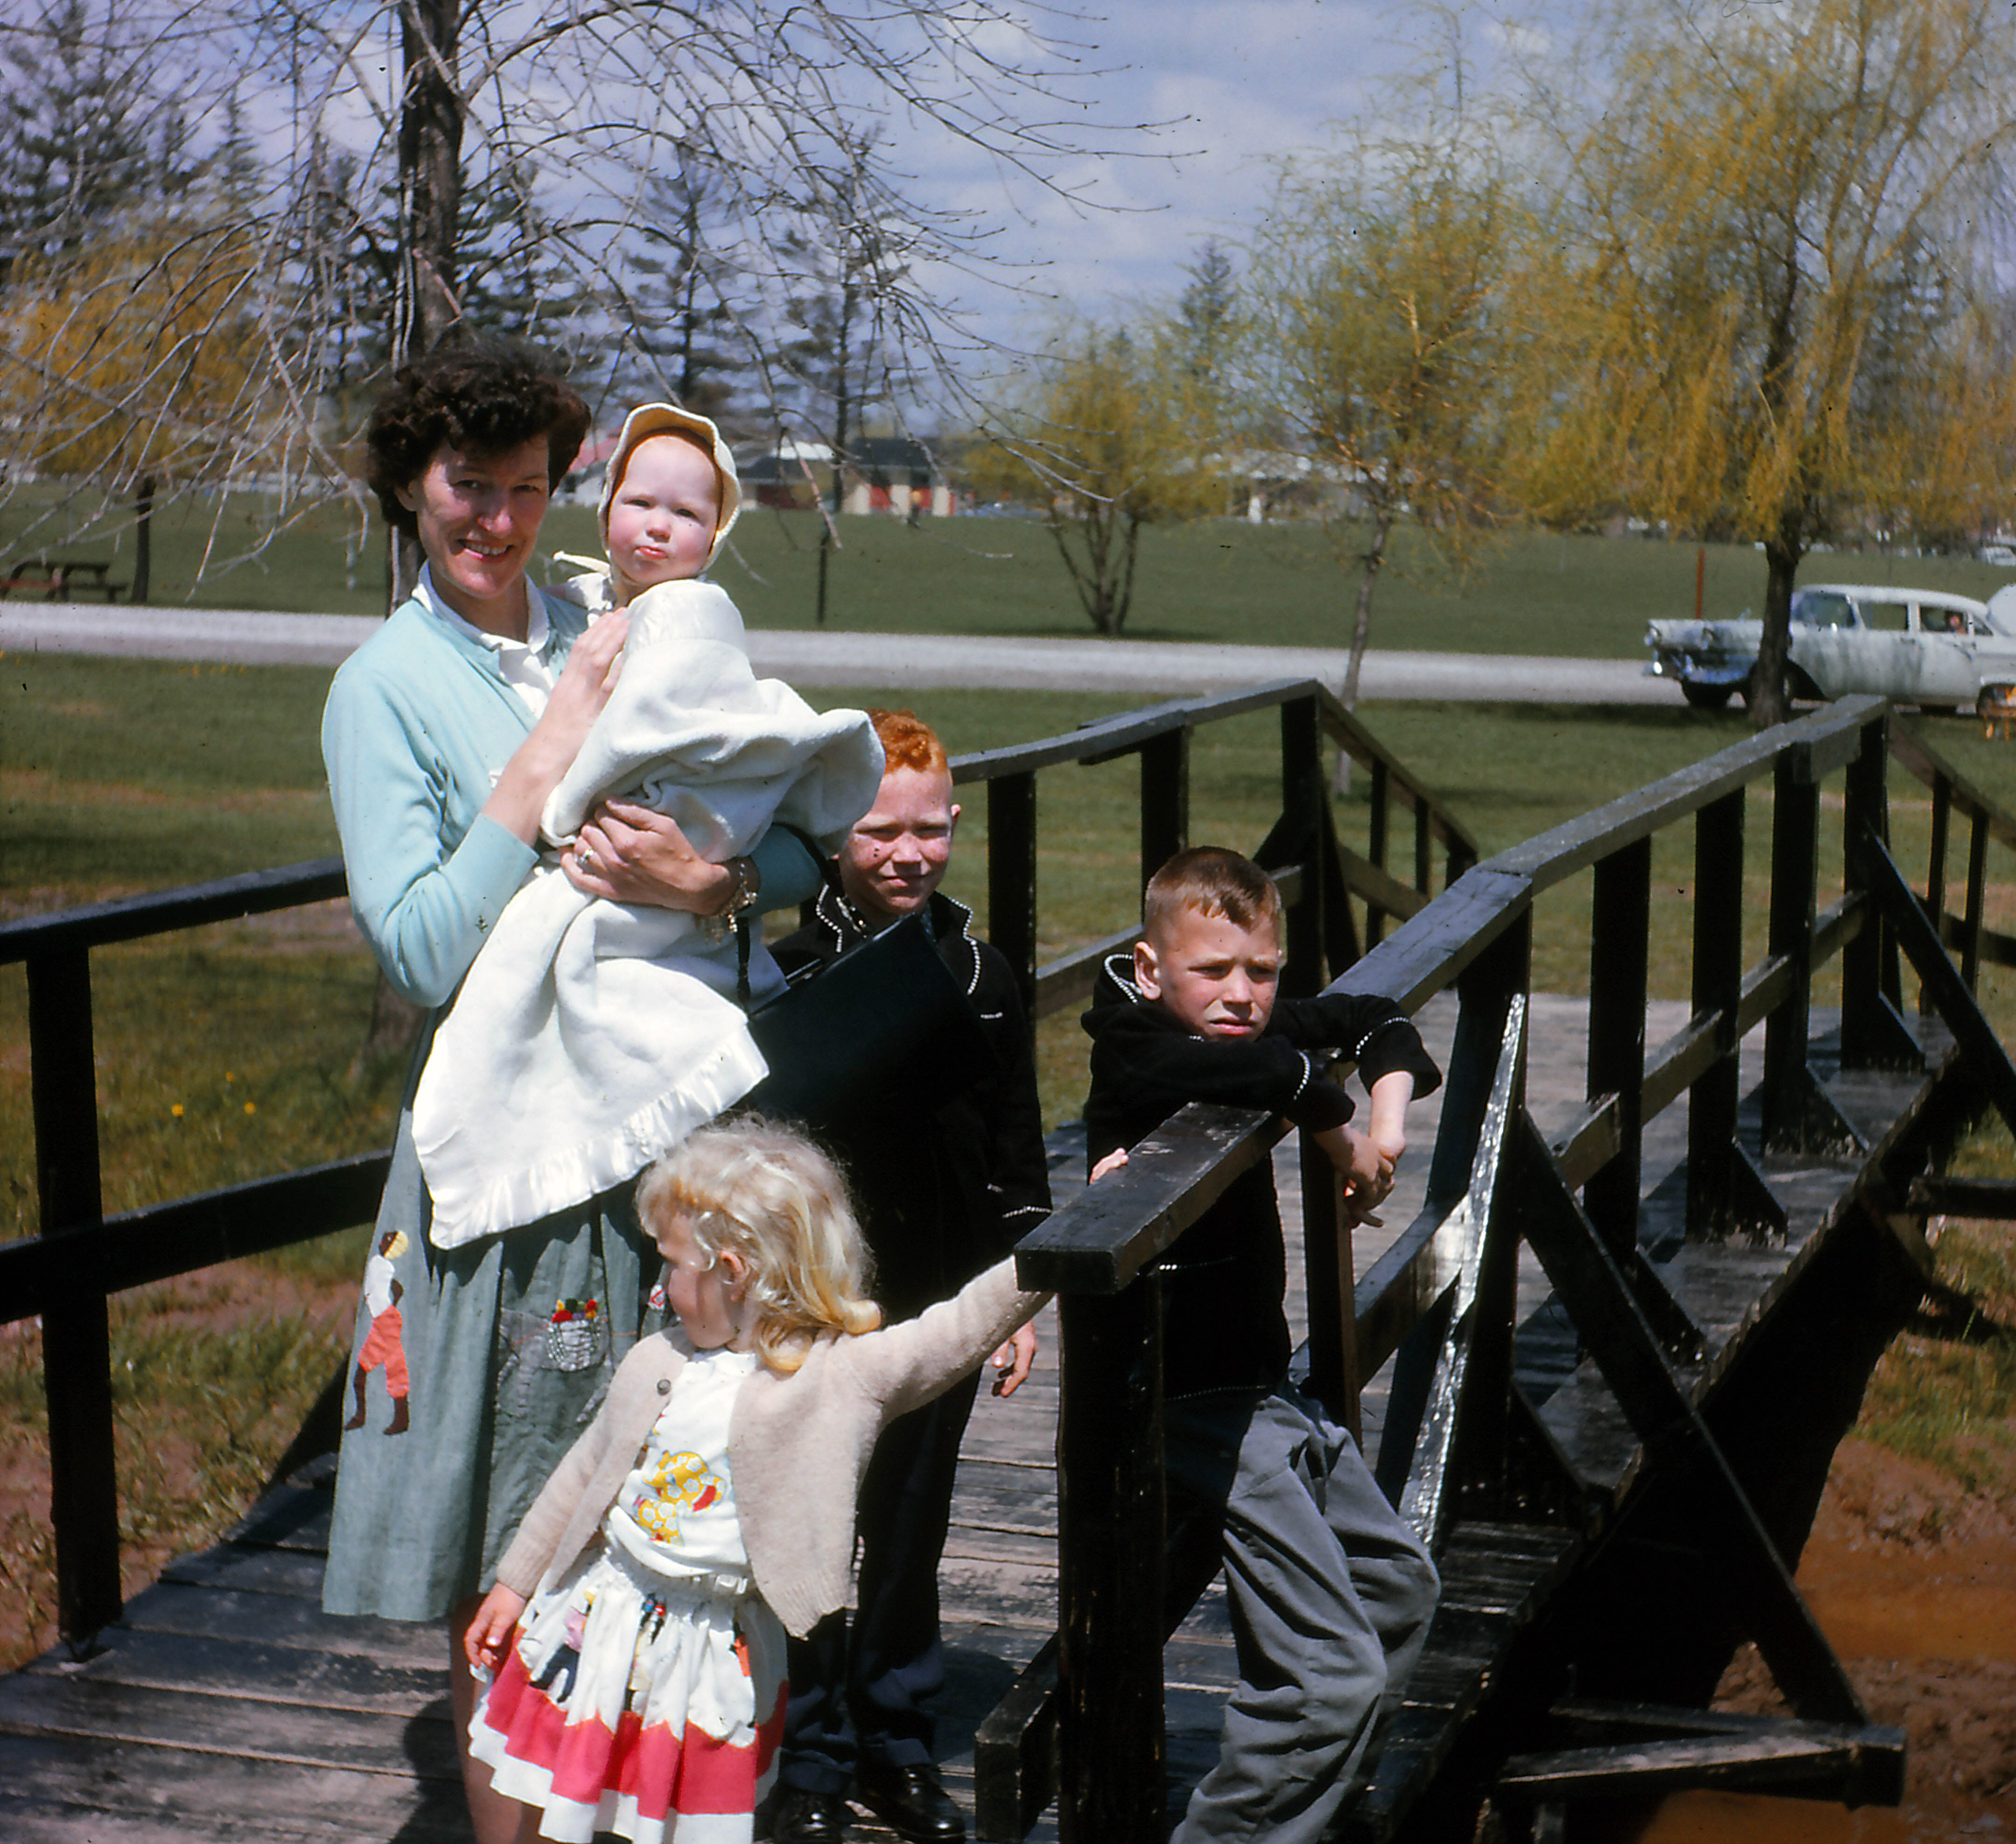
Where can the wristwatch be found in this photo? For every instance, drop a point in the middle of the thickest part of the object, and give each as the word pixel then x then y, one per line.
pixel 742 899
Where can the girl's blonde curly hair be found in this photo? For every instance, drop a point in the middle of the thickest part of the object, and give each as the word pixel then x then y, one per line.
pixel 767 1193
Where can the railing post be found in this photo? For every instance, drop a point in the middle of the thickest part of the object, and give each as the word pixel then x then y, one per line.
pixel 1621 911
pixel 1165 800
pixel 1011 875
pixel 1718 985
pixel 1477 1479
pixel 1977 874
pixel 1111 1517
pixel 1329 1273
pixel 76 1343
pixel 1375 846
pixel 1487 988
pixel 1795 841
pixel 1302 821
pixel 1936 864
pixel 1872 1036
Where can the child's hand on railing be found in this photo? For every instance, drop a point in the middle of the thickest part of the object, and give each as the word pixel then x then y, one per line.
pixel 1111 1162
pixel 1366 1171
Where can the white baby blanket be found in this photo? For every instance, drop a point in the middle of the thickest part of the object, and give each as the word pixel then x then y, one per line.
pixel 591 1036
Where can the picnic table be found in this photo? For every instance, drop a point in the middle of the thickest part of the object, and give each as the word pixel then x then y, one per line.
pixel 60 578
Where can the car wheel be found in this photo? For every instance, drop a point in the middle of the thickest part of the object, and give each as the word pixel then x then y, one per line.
pixel 1705 697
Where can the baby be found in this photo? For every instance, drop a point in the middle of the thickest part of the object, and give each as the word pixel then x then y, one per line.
pixel 669 499
pixel 592 1035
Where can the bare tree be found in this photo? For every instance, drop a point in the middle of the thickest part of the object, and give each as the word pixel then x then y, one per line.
pixel 775 108
pixel 1375 283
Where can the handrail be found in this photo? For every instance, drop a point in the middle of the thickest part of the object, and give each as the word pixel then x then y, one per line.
pixel 1474 938
pixel 165 912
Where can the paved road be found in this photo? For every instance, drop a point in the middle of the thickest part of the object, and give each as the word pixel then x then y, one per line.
pixel 904 661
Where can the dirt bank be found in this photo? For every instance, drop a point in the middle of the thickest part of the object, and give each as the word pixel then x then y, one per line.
pixel 1914 1581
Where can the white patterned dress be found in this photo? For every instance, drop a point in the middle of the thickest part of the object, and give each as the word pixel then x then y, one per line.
pixel 644 1693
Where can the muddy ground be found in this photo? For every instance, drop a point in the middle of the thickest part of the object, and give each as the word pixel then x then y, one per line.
pixel 1914 1582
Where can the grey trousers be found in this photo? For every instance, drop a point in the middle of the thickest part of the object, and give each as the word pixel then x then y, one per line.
pixel 1330 1594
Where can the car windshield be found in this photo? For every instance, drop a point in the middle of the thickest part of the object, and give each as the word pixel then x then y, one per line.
pixel 1822 608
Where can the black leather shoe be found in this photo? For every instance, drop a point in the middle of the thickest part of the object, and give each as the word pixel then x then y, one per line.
pixel 804 1817
pixel 910 1801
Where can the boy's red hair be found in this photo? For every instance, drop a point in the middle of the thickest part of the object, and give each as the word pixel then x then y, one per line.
pixel 1213 882
pixel 908 742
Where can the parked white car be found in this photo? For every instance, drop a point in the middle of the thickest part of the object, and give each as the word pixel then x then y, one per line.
pixel 1918 646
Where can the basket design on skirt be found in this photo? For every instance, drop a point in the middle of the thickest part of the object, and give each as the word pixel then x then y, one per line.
pixel 574 1335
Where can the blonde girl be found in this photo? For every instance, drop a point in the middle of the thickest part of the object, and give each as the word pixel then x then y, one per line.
pixel 635 1632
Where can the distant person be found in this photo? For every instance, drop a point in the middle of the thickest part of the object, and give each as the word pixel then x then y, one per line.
pixel 636 1631
pixel 444 734
pixel 1329 1591
pixel 592 1035
pixel 958 1181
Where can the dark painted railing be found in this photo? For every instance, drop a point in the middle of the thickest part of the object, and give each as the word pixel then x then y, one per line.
pixel 1085 1720
pixel 65 1274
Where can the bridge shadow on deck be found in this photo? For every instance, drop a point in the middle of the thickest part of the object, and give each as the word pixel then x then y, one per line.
pixel 225 1706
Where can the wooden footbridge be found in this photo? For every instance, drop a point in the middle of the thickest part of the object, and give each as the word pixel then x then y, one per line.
pixel 1602 1358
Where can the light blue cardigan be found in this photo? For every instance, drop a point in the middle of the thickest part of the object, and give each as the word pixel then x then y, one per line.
pixel 420 721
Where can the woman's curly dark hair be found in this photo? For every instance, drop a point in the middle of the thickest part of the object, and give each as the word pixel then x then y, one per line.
pixel 486 396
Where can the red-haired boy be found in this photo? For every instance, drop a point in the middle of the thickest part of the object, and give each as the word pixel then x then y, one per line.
pixel 963 1183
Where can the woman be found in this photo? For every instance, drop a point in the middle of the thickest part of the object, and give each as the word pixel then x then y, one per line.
pixel 443 735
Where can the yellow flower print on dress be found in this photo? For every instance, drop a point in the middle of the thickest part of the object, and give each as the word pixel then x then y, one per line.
pixel 682 1483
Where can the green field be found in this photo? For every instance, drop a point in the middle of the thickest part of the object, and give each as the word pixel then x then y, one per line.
pixel 1217 580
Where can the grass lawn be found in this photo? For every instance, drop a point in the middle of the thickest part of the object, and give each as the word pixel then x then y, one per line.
pixel 1217 580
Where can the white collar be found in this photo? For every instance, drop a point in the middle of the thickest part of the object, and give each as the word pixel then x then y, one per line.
pixel 538 630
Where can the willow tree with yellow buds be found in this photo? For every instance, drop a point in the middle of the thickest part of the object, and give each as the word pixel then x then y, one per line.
pixel 1374 287
pixel 1762 303
pixel 1106 430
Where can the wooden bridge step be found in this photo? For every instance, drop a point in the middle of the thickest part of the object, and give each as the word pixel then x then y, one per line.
pixel 1496 1578
pixel 70 1787
pixel 310 1734
pixel 169 1608
pixel 1865 1764
pixel 284 1674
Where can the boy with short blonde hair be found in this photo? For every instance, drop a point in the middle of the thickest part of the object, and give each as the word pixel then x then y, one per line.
pixel 1329 1591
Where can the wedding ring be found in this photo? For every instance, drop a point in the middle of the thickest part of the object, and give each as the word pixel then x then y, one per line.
pixel 584 857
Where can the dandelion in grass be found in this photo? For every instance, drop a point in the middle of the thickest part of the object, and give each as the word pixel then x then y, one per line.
pixel 251 1107
pixel 175 1109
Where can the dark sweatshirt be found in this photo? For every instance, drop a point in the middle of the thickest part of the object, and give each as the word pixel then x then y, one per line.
pixel 1224 1325
pixel 947 1185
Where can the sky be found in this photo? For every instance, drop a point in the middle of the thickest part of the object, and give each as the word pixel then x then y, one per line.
pixel 1232 87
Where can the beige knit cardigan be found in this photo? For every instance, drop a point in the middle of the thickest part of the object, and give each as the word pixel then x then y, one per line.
pixel 797 1445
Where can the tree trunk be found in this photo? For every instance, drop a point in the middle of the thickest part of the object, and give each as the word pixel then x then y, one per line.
pixel 841 410
pixel 1768 702
pixel 1374 561
pixel 425 308
pixel 431 115
pixel 143 543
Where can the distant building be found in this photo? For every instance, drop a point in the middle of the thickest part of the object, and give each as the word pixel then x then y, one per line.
pixel 890 474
